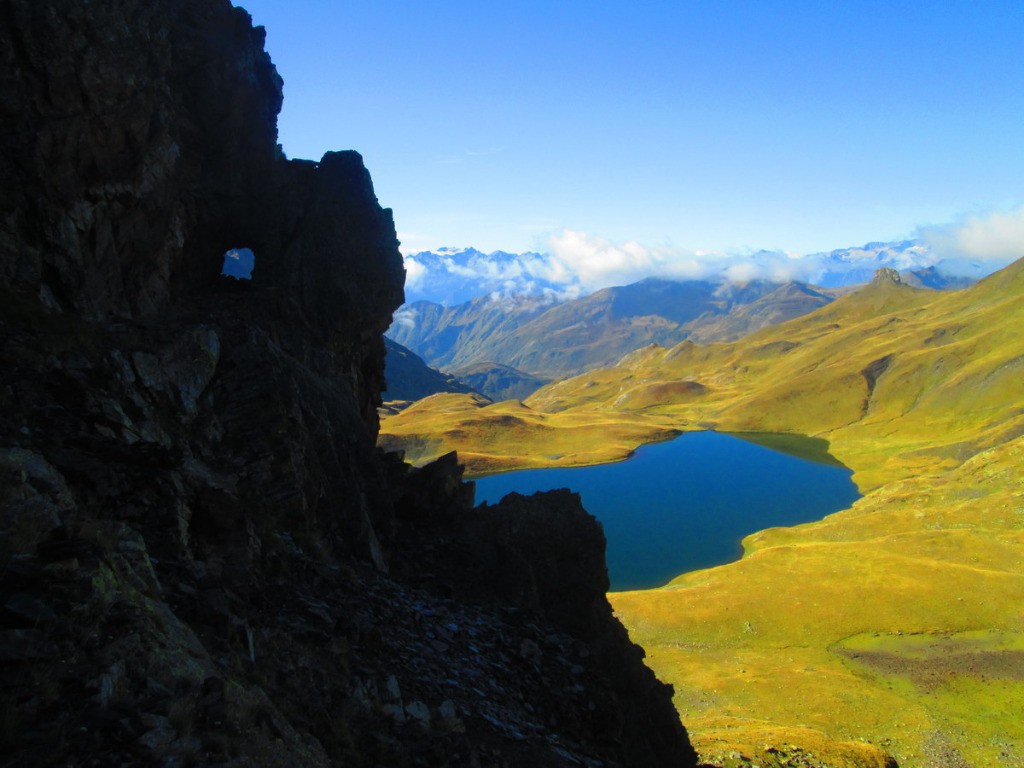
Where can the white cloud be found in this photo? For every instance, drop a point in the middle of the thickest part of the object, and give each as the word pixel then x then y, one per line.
pixel 598 263
pixel 414 271
pixel 996 237
pixel 743 272
pixel 410 243
pixel 577 263
pixel 405 316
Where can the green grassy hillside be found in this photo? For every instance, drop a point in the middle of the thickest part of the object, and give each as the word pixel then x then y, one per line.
pixel 898 379
pixel 494 437
pixel 898 620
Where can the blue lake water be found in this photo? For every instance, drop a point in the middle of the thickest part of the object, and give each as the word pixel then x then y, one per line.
pixel 686 504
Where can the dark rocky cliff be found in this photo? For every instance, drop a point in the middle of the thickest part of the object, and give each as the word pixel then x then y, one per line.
pixel 205 559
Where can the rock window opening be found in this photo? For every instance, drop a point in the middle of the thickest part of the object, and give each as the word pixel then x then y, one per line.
pixel 239 263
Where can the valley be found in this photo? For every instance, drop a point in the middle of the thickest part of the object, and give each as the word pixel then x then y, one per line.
pixel 895 621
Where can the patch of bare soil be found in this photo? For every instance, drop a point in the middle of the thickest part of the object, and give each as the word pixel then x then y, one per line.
pixel 933 671
pixel 940 752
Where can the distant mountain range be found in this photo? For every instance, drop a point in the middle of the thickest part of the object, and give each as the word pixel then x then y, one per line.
pixel 521 332
pixel 452 276
pixel 853 266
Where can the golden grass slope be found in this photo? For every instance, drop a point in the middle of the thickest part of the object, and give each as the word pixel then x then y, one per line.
pixel 492 437
pixel 896 378
pixel 899 620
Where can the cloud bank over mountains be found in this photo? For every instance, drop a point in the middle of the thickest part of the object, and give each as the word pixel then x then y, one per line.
pixel 453 276
pixel 994 238
pixel 578 263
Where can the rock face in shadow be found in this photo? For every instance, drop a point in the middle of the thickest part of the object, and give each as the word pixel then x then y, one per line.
pixel 542 558
pixel 205 558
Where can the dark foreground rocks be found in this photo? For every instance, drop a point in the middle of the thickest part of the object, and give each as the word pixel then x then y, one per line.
pixel 205 560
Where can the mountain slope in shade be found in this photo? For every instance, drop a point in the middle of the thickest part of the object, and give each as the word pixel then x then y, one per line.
pixel 930 277
pixel 409 378
pixel 451 337
pixel 500 382
pixel 204 560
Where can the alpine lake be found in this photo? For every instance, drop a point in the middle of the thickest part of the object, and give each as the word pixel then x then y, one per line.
pixel 686 504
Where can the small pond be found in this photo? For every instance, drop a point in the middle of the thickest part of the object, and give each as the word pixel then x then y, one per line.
pixel 687 503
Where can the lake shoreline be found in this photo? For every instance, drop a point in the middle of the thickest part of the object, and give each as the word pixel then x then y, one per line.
pixel 686 504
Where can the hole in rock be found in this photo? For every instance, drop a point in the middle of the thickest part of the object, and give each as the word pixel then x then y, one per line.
pixel 239 263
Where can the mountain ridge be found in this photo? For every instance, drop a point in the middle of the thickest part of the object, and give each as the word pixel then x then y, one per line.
pixel 565 338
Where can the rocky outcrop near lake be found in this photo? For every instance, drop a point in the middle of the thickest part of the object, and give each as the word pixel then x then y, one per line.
pixel 205 559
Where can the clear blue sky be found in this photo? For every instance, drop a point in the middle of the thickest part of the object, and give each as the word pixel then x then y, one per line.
pixel 716 125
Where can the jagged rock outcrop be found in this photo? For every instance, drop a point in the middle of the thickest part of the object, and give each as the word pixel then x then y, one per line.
pixel 542 558
pixel 886 275
pixel 205 560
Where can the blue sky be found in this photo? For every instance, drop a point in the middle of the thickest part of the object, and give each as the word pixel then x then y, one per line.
pixel 719 126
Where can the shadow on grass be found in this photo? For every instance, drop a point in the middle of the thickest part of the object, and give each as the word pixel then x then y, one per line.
pixel 801 446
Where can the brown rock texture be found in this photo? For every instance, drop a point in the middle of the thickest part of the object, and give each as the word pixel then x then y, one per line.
pixel 205 560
